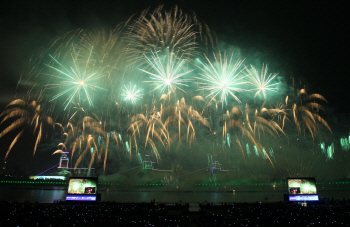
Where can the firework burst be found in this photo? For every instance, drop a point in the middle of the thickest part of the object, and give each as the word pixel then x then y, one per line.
pixel 85 70
pixel 167 72
pixel 262 82
pixel 132 94
pixel 161 31
pixel 222 77
pixel 75 81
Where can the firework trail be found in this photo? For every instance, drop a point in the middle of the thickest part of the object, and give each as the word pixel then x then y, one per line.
pixel 305 111
pixel 26 114
pixel 155 125
pixel 301 168
pixel 250 124
pixel 81 136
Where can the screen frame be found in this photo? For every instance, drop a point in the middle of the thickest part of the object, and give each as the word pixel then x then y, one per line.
pixel 83 178
pixel 301 178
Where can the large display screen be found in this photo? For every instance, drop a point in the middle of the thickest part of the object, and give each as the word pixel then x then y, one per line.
pixel 82 186
pixel 298 186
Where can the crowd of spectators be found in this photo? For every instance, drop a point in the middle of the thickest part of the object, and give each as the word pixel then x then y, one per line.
pixel 274 214
pixel 101 214
pixel 153 214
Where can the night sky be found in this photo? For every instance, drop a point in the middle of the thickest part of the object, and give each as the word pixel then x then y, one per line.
pixel 304 41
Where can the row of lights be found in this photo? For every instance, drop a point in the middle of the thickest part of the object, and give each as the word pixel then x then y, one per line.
pixel 45 182
pixel 32 182
pixel 57 182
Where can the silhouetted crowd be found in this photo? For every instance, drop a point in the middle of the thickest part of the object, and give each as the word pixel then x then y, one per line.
pixel 101 214
pixel 274 214
pixel 152 214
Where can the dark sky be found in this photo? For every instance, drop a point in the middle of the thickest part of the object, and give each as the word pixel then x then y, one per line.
pixel 303 40
pixel 306 41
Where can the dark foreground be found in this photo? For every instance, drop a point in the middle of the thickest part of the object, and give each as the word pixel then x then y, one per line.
pixel 332 213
